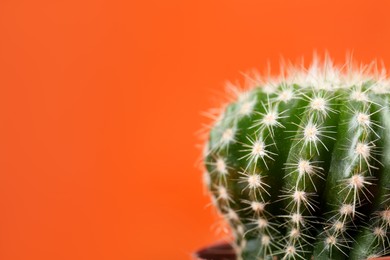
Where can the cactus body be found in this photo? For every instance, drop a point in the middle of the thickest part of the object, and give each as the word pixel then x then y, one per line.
pixel 300 168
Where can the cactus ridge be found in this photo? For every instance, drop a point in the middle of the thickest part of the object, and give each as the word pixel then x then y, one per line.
pixel 300 166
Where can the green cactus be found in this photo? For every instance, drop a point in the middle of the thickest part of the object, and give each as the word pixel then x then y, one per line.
pixel 300 167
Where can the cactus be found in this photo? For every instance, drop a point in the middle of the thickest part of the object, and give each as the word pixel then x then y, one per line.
pixel 299 165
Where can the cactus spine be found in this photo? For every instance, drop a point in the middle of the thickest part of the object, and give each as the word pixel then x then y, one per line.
pixel 300 167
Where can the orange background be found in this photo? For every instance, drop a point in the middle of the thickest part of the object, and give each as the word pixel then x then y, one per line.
pixel 100 102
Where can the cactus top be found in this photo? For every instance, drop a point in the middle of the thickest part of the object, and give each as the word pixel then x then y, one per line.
pixel 300 165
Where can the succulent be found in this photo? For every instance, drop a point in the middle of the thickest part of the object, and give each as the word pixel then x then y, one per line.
pixel 299 165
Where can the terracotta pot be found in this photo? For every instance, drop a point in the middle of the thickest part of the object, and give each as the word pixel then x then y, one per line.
pixel 223 251
pixel 219 251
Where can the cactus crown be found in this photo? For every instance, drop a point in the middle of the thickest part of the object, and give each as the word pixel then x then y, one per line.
pixel 300 165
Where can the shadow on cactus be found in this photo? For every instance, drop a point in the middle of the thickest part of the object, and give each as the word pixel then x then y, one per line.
pixel 299 166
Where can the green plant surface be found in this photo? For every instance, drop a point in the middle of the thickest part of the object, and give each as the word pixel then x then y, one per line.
pixel 300 166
